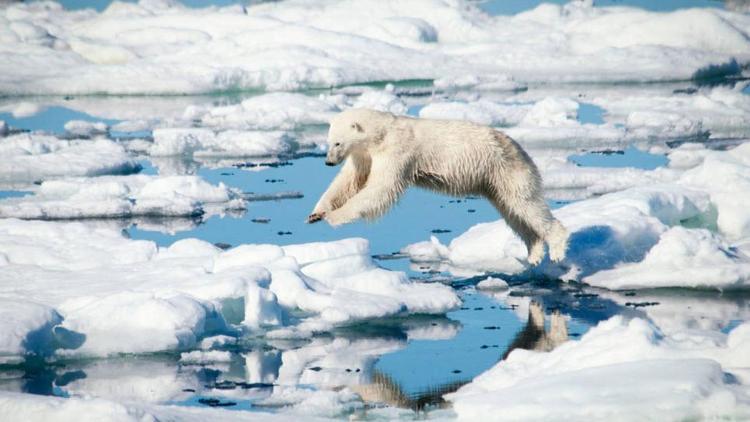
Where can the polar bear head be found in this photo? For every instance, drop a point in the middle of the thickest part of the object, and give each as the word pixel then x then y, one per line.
pixel 354 130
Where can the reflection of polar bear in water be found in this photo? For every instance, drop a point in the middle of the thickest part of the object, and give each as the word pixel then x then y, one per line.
pixel 385 154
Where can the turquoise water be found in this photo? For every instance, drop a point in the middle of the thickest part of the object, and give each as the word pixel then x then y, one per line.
pixel 629 157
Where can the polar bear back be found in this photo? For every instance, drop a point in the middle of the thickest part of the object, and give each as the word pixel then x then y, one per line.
pixel 458 157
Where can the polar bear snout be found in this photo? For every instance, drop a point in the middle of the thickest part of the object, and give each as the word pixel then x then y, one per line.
pixel 335 155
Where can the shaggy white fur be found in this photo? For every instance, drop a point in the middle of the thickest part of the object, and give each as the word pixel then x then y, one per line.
pixel 385 154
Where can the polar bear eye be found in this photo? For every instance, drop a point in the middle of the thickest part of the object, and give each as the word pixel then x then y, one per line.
pixel 337 144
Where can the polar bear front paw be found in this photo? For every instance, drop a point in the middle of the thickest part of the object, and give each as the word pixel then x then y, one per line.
pixel 315 217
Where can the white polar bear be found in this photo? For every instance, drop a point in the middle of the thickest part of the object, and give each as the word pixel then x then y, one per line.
pixel 386 153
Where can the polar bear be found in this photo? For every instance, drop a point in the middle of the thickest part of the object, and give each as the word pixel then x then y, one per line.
pixel 386 153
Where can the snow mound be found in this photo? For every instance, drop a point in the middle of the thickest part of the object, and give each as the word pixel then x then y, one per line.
pixel 165 47
pixel 204 142
pixel 97 293
pixel 123 196
pixel 84 129
pixel 30 157
pixel 275 111
pixel 617 371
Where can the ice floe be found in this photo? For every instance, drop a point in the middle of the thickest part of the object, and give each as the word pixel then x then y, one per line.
pixel 123 197
pixel 117 295
pixel 554 121
pixel 165 47
pixel 85 129
pixel 677 377
pixel 655 236
pixel 31 157
pixel 275 111
pixel 203 142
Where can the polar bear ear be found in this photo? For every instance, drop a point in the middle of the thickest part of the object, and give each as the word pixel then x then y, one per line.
pixel 357 127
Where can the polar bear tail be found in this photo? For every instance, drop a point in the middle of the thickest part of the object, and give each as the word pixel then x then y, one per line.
pixel 557 239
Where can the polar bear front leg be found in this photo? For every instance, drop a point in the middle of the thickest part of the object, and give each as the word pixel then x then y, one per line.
pixel 385 184
pixel 343 187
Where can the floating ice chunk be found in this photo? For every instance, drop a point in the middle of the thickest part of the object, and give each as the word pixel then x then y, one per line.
pixel 481 111
pixel 202 142
pixel 619 236
pixel 619 366
pixel 722 111
pixel 726 176
pixel 216 341
pixel 484 83
pixel 682 257
pixel 427 251
pixel 261 308
pixel 381 100
pixel 29 157
pixel 117 295
pixel 492 283
pixel 198 357
pixel 25 329
pixel 565 180
pixel 85 129
pixel 273 111
pixel 123 196
pixel 147 322
pixel 687 156
pixel 614 228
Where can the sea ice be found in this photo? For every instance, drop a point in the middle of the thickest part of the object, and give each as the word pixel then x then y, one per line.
pixel 165 47
pixel 31 157
pixel 85 129
pixel 204 142
pixel 632 238
pixel 123 196
pixel 618 370
pixel 99 293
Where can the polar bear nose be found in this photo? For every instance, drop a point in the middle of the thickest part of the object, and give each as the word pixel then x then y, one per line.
pixel 328 163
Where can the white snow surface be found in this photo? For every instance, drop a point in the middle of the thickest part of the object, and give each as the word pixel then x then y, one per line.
pixel 204 142
pixel 620 370
pixel 123 196
pixel 97 293
pixel 682 233
pixel 161 47
pixel 30 157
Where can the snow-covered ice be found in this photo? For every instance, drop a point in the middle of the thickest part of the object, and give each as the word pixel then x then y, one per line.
pixel 85 129
pixel 203 142
pixel 164 47
pixel 117 295
pixel 123 196
pixel 654 236
pixel 619 370
pixel 30 157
